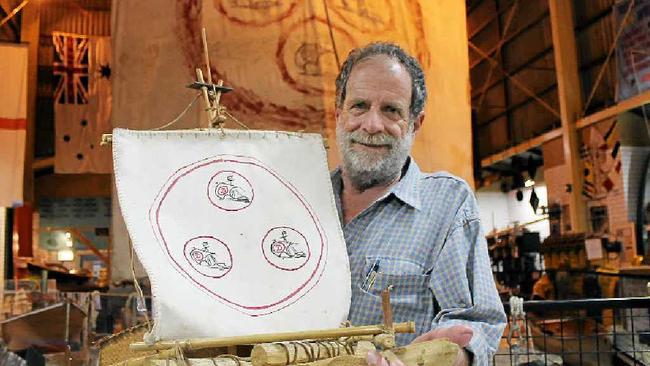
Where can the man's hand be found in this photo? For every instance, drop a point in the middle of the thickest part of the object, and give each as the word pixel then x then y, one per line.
pixel 459 334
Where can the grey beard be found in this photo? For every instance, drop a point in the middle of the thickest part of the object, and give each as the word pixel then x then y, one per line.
pixel 366 169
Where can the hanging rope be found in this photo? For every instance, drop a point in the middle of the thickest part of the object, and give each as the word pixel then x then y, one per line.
pixel 179 355
pixel 196 97
pixel 329 27
pixel 141 302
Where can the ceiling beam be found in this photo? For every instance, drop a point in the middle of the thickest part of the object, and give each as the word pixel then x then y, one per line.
pixel 487 22
pixel 11 23
pixel 621 107
pixel 515 81
pixel 511 37
pixel 516 70
pixel 517 105
pixel 520 148
pixel 611 112
pixel 43 163
pixel 503 31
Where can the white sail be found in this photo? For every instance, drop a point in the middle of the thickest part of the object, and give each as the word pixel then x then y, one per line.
pixel 238 233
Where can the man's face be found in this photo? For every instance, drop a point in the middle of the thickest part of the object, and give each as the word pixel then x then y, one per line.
pixel 373 129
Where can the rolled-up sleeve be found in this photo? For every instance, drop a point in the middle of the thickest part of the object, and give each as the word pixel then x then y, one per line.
pixel 463 286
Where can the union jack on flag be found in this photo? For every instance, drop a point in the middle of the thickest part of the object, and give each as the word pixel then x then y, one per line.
pixel 70 68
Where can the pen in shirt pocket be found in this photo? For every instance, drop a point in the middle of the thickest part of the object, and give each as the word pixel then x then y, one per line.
pixel 369 280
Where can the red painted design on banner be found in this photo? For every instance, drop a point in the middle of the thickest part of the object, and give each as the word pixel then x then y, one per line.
pixel 258 310
pixel 242 100
pixel 255 12
pixel 230 191
pixel 286 248
pixel 209 256
pixel 305 61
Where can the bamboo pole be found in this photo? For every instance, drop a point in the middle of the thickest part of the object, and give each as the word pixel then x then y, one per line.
pixel 206 98
pixel 194 344
pixel 387 309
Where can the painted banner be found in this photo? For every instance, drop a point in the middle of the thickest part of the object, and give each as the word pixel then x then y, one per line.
pixel 13 113
pixel 279 55
pixel 82 102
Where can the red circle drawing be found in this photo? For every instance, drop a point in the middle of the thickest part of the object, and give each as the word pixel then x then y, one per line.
pixel 268 306
pixel 230 191
pixel 255 12
pixel 244 100
pixel 303 61
pixel 286 248
pixel 277 248
pixel 208 255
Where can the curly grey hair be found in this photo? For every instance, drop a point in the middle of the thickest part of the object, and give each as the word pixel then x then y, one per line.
pixel 412 66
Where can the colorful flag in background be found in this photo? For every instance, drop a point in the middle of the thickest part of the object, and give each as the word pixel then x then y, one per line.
pixel 82 102
pixel 13 114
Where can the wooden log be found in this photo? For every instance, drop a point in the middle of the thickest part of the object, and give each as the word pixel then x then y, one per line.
pixel 346 360
pixel 384 341
pixel 194 344
pixel 279 354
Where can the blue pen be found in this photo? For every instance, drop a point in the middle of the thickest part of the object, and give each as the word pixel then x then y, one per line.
pixel 369 280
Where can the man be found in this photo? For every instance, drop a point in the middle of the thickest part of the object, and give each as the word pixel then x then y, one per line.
pixel 417 232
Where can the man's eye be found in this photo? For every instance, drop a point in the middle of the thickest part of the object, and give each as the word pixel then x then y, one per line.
pixel 392 110
pixel 358 105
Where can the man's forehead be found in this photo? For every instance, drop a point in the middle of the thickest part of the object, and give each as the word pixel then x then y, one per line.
pixel 379 74
pixel 385 63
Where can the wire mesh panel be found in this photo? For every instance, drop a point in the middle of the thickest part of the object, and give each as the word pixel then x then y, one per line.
pixel 577 332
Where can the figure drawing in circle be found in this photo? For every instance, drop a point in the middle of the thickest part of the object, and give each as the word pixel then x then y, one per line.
pixel 254 4
pixel 307 58
pixel 283 248
pixel 229 191
pixel 205 258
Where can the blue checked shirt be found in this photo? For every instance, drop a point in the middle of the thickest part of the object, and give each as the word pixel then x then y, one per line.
pixel 424 238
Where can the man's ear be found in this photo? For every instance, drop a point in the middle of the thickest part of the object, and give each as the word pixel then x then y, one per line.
pixel 419 120
pixel 337 114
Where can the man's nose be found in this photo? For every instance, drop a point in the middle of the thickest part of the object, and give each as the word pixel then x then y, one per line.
pixel 372 123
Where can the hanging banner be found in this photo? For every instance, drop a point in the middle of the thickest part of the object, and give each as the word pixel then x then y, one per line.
pixel 13 122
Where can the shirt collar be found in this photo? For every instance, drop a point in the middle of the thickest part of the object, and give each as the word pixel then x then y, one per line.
pixel 406 189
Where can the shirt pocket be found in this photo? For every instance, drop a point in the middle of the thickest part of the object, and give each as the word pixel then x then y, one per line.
pixel 408 284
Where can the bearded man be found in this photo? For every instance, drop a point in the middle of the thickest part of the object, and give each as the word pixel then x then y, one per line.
pixel 419 233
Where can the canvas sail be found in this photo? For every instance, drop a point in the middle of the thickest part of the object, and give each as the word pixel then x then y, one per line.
pixel 238 233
